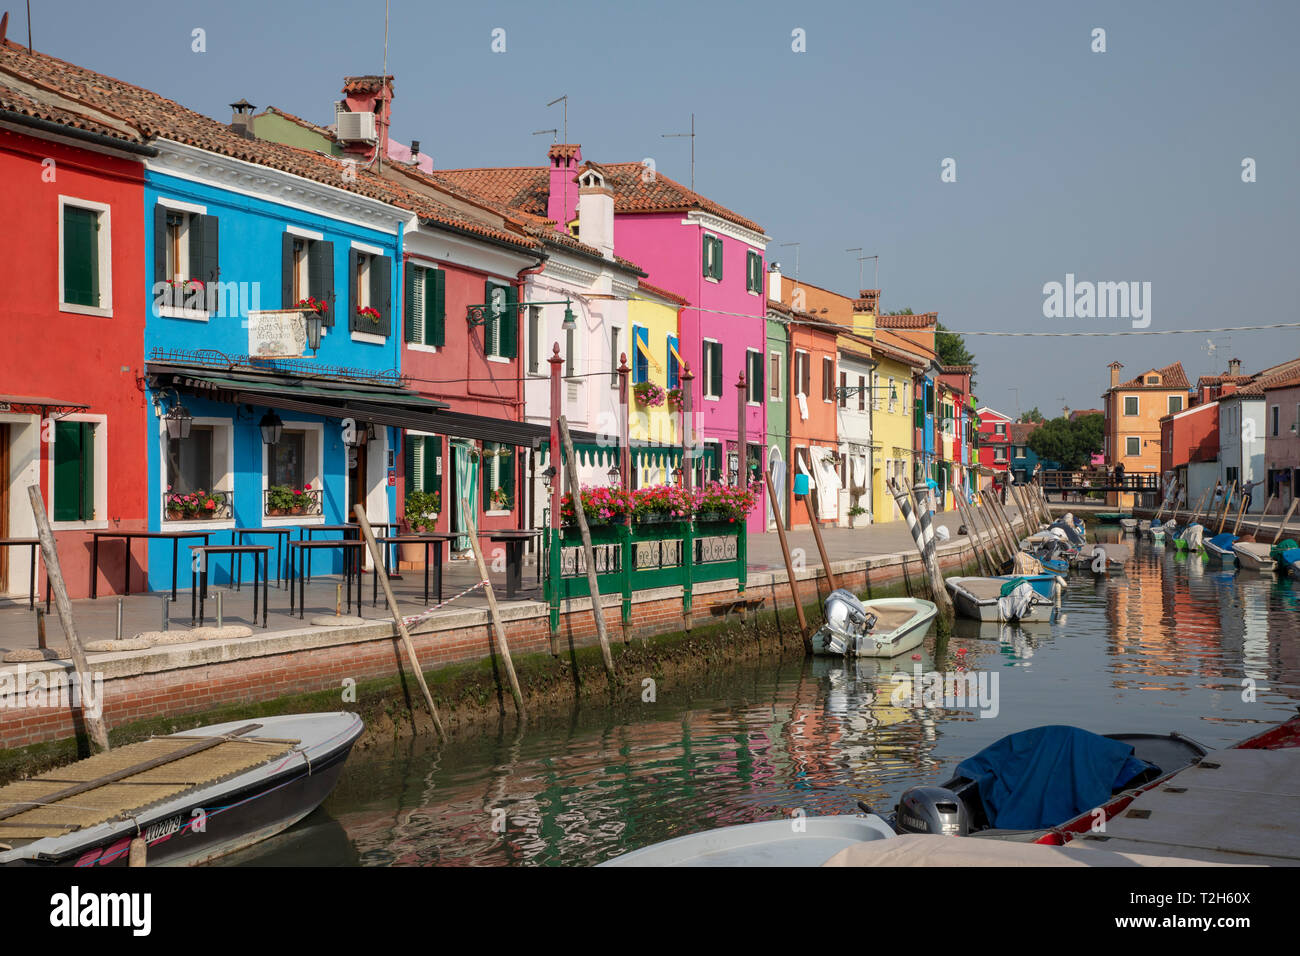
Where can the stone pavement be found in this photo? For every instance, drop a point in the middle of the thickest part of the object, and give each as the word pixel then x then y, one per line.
pixel 97 619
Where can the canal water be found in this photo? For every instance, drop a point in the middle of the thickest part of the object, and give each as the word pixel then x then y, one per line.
pixel 1174 644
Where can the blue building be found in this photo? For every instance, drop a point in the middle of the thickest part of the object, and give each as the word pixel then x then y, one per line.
pixel 274 434
pixel 1022 459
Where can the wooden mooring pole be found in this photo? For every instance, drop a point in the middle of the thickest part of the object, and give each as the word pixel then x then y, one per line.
pixel 588 552
pixel 925 546
pixel 789 565
pixel 810 500
pixel 498 627
pixel 378 559
pixel 95 724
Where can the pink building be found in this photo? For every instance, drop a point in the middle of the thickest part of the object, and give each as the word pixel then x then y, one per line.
pixel 690 246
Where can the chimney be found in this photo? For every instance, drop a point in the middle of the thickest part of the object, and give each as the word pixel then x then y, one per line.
pixel 1114 373
pixel 1234 366
pixel 596 211
pixel 562 201
pixel 868 300
pixel 774 281
pixel 370 94
pixel 242 120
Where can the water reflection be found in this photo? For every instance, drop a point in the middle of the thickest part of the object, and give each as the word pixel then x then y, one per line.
pixel 1165 646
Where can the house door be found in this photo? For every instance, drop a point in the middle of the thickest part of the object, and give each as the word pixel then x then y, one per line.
pixel 356 480
pixel 464 485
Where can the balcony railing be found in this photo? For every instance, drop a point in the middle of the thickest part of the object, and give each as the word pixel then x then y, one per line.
pixel 306 503
pixel 199 506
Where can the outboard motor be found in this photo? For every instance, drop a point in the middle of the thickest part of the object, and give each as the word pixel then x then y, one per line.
pixel 931 810
pixel 847 619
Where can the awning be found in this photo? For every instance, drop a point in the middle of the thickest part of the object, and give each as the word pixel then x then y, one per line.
pixel 381 400
pixel 41 406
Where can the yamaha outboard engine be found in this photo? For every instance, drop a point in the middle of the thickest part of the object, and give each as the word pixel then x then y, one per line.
pixel 932 810
pixel 847 619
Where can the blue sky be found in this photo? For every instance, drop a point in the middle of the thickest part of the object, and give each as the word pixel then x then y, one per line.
pixel 1115 166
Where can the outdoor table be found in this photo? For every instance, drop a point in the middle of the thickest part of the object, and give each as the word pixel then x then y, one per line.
pixel 514 539
pixel 351 549
pixel 173 536
pixel 199 578
pixel 308 531
pixel 428 539
pixel 286 532
pixel 31 579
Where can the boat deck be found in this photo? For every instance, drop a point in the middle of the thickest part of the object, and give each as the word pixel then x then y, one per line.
pixel 124 781
pixel 1236 806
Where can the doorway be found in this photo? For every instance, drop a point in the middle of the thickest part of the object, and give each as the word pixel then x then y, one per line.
pixel 463 484
pixel 357 471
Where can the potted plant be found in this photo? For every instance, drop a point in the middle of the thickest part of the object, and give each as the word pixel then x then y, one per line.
pixel 649 394
pixel 718 502
pixel 175 505
pixel 601 505
pixel 499 500
pixel 371 315
pixel 422 510
pixel 302 500
pixel 657 504
pixel 312 304
pixel 854 512
pixel 280 500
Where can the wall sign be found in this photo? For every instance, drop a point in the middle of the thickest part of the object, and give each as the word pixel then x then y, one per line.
pixel 277 334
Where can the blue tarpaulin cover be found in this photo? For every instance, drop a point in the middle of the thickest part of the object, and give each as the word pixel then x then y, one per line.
pixel 1041 777
pixel 1223 541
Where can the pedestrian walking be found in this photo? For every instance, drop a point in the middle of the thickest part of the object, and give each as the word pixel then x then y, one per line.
pixel 1247 491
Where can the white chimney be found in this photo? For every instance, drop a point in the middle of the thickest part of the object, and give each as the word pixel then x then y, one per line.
pixel 774 282
pixel 596 212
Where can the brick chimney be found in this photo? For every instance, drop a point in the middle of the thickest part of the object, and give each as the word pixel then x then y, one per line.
pixel 242 119
pixel 1114 373
pixel 1234 366
pixel 370 94
pixel 562 200
pixel 868 300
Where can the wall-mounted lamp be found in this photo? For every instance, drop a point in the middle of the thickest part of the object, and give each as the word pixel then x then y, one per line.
pixel 548 476
pixel 272 427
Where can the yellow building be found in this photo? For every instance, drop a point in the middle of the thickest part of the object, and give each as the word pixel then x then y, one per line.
pixel 893 428
pixel 653 430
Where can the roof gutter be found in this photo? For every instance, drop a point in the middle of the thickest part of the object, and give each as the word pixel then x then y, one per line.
pixel 479 237
pixel 73 132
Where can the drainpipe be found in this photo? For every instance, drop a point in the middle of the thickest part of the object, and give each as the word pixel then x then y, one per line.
pixel 521 278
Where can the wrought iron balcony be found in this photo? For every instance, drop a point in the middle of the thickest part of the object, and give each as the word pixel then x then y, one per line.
pixel 197 506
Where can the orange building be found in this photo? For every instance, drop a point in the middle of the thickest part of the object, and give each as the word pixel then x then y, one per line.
pixel 1133 411
pixel 814 443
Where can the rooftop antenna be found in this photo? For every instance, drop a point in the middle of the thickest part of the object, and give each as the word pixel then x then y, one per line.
pixel 29 25
pixel 862 259
pixel 383 85
pixel 542 132
pixel 565 123
pixel 1015 388
pixel 796 259
pixel 691 136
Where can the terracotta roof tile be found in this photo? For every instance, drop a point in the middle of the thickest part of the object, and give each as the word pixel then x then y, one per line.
pixel 528 187
pixel 1020 431
pixel 16 101
pixel 1171 377
pixel 1279 379
pixel 661 293
pixel 922 321
pixel 365 84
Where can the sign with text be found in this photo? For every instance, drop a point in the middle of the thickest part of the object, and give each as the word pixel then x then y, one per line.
pixel 277 334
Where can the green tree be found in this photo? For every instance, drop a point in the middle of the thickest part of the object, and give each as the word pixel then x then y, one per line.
pixel 950 346
pixel 1071 443
pixel 1033 415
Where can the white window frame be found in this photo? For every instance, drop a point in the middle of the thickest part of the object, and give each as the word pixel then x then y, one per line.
pixel 706 266
pixel 1169 404
pixel 1000 453
pixel 190 210
pixel 707 355
pixel 313 453
pixel 1137 407
pixel 798 366
pixel 834 376
pixel 105 250
pixel 749 386
pixel 759 255
pixel 101 471
pixel 1132 454
pixel 223 464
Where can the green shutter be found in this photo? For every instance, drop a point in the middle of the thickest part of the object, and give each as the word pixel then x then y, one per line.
pixel 87 471
pixel 432 452
pixel 715 369
pixel 717 259
pixel 489 321
pixel 408 460
pixel 354 265
pixel 510 324
pixel 381 294
pixel 435 307
pixel 320 276
pixel 408 310
pixel 74 471
pixel 80 256
pixel 286 271
pixel 160 244
pixel 485 476
pixel 507 471
pixel 705 255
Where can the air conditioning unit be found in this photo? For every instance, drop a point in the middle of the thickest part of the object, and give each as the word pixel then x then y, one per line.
pixel 356 127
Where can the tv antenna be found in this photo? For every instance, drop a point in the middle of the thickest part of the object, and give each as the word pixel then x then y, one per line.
pixel 542 132
pixel 862 259
pixel 565 122
pixel 691 136
pixel 796 259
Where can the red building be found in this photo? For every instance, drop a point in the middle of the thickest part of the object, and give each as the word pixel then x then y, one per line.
pixel 995 439
pixel 72 409
pixel 1188 436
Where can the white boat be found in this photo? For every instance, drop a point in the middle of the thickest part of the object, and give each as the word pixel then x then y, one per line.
pixel 1103 558
pixel 983 600
pixel 797 841
pixel 883 627
pixel 1129 525
pixel 1219 548
pixel 1254 555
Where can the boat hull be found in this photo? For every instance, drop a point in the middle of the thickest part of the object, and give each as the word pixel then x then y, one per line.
pixel 901 639
pixel 971 605
pixel 1254 556
pixel 236 814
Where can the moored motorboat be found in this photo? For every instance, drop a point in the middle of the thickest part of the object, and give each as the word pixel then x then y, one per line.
pixel 1006 598
pixel 1129 525
pixel 1028 782
pixel 882 627
pixel 192 796
pixel 1254 555
pixel 1291 561
pixel 1218 549
pixel 797 841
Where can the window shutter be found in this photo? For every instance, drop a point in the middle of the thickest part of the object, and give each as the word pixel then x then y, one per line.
pixel 485 476
pixel 408 460
pixel 354 265
pixel 413 318
pixel 429 480
pixel 640 364
pixel 715 372
pixel 320 276
pixel 286 271
pixel 160 244
pixel 506 474
pixel 435 307
pixel 756 380
pixel 489 322
pixel 80 256
pixel 87 471
pixel 717 259
pixel 381 292
pixel 706 257
pixel 509 333
pixel 674 372
pixel 67 471
pixel 204 264
pixel 614 334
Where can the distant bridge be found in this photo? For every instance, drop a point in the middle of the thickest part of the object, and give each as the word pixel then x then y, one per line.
pixel 1080 483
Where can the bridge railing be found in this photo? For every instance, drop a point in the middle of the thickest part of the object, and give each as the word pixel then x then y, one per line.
pixel 1085 481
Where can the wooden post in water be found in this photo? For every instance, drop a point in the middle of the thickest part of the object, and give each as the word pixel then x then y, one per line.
pixel 588 552
pixel 1227 499
pixel 1285 521
pixel 996 546
pixel 999 520
pixel 378 559
pixel 498 628
pixel 929 555
pixel 973 534
pixel 95 725
pixel 1251 535
pixel 1241 511
pixel 789 565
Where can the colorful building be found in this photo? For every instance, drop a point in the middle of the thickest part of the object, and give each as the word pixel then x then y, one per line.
pixel 72 408
pixel 777 455
pixel 655 359
pixel 1133 410
pixel 994 439
pixel 1024 461
pixel 955 461
pixel 1282 438
pixel 814 439
pixel 1189 448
